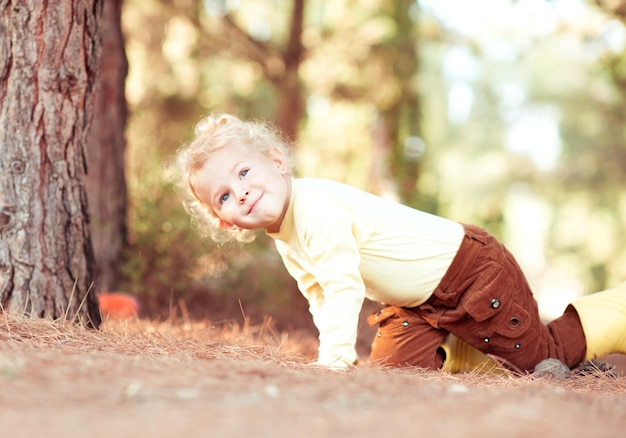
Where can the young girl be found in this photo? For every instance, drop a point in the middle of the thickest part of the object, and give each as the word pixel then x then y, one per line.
pixel 434 276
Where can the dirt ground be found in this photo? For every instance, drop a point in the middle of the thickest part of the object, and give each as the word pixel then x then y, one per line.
pixel 178 379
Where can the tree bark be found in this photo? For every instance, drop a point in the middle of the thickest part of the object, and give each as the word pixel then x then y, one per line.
pixel 106 182
pixel 289 100
pixel 404 117
pixel 49 56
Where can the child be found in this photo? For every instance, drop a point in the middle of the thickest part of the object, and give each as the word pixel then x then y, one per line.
pixel 433 275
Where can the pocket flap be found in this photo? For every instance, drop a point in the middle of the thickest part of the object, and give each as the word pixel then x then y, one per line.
pixel 382 314
pixel 484 305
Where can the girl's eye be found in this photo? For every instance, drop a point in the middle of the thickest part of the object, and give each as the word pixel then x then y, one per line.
pixel 244 172
pixel 224 197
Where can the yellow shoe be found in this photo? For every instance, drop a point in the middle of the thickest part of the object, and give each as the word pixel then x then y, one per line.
pixel 603 318
pixel 460 356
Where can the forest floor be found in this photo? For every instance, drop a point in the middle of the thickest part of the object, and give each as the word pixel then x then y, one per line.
pixel 193 379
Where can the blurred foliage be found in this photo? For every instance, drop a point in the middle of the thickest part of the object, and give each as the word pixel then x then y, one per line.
pixel 515 129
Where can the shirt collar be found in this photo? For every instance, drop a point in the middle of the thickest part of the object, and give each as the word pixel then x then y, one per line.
pixel 286 227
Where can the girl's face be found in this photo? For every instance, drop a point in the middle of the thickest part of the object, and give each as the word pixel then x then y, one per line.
pixel 245 188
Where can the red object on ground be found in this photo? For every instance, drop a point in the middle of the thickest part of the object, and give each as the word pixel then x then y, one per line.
pixel 118 305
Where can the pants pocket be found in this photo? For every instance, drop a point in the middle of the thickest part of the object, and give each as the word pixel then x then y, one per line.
pixel 500 313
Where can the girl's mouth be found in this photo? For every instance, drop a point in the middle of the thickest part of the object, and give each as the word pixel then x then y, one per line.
pixel 254 204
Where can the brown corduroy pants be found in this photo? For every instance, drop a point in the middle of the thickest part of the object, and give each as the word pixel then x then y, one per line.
pixel 485 300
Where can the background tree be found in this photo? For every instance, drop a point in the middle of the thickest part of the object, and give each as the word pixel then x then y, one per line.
pixel 106 181
pixel 48 63
pixel 402 115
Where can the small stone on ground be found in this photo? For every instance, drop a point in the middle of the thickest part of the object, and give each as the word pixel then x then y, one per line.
pixel 552 368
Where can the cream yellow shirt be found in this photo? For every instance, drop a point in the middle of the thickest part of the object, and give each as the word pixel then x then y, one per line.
pixel 342 244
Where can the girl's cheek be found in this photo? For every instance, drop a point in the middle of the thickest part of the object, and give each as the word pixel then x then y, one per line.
pixel 226 212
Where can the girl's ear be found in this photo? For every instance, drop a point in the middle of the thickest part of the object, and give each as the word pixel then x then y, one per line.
pixel 279 159
pixel 227 226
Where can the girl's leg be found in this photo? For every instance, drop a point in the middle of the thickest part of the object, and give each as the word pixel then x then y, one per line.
pixel 485 300
pixel 602 316
pixel 404 338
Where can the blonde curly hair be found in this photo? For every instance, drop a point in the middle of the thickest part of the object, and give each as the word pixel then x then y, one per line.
pixel 211 133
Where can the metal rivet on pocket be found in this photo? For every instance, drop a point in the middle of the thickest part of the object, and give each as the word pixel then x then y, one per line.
pixel 514 322
pixel 517 346
pixel 495 303
pixel 486 340
pixel 405 323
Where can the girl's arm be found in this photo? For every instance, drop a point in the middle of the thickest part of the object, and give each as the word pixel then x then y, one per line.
pixel 325 263
pixel 335 313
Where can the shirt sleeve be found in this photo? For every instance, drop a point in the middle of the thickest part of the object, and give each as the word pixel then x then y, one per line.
pixel 334 286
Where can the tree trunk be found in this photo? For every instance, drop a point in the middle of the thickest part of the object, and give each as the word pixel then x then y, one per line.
pixel 106 183
pixel 289 100
pixel 404 117
pixel 49 56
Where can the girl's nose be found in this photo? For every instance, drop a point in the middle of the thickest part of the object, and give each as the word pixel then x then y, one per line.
pixel 243 196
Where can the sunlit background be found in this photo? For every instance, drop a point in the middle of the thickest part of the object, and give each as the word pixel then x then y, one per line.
pixel 507 114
